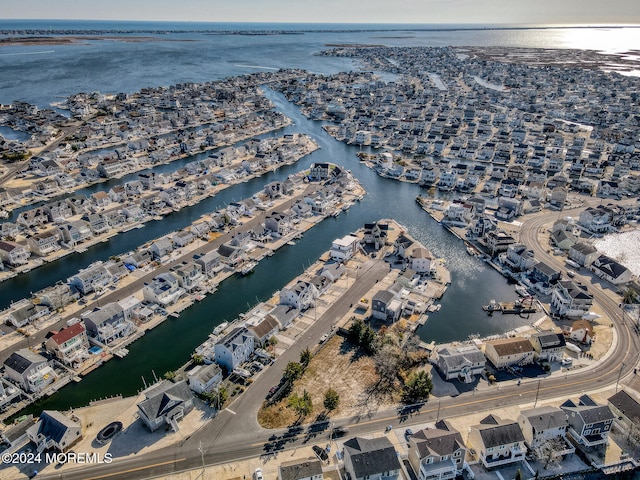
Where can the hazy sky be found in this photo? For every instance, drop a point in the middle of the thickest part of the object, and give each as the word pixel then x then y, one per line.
pixel 320 11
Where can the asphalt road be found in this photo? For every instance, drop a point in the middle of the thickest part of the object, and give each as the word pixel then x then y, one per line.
pixel 235 435
pixel 114 296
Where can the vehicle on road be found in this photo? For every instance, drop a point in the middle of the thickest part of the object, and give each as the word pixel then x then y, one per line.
pixel 339 431
pixel 571 273
pixel 324 337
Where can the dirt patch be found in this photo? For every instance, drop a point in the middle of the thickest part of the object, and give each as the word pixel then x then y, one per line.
pixel 338 365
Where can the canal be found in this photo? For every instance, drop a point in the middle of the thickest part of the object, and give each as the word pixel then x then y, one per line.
pixel 171 344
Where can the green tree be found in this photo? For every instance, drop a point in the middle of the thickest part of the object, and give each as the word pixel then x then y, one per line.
pixel 305 357
pixel 417 388
pixel 629 296
pixel 170 375
pixel 197 359
pixel 293 371
pixel 218 398
pixel 331 399
pixel 355 331
pixel 302 405
pixel 368 340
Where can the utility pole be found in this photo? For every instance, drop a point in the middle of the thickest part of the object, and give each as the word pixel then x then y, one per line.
pixel 619 375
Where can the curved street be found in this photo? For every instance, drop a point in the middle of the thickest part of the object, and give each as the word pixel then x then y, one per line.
pixel 232 436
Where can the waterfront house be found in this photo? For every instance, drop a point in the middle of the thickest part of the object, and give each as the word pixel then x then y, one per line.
pixel 498 241
pixel 200 229
pixel 548 345
pixel 403 245
pixel 53 430
pixel 437 453
pixel 29 370
pixel 161 248
pixel 319 171
pixel 163 290
pixel 183 238
pixel 92 278
pixel 497 442
pixel 97 223
pixel 421 260
pixel 25 312
pixel 375 234
pixel 229 254
pixel 57 296
pixel 134 212
pixel 385 306
pixel 519 257
pixel 13 254
pixel 608 269
pixel 581 331
pixel 506 352
pixel 189 275
pixel 626 410
pixel 204 378
pixel 543 277
pixel 333 271
pixel 284 314
pixel 342 249
pixel 583 253
pixel 571 298
pixel 74 232
pixel 44 243
pixel 264 329
pixel 129 305
pixel 302 469
pixel 589 423
pixel 234 349
pixel 278 223
pixel 209 262
pixel 138 259
pixel 461 362
pixel 371 459
pixel 300 295
pixel 70 345
pixel 107 324
pixel 165 403
pixel 546 424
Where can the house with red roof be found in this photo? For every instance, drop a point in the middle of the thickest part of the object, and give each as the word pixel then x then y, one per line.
pixel 70 345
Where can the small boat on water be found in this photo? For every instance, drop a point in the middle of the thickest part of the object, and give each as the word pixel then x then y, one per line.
pixel 218 330
pixel 248 267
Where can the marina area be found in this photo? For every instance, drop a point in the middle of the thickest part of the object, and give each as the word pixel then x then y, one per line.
pixel 185 290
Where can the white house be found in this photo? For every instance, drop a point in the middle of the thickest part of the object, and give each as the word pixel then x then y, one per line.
pixel 235 348
pixel 342 249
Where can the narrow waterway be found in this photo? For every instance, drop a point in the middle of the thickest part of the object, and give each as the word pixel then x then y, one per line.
pixel 170 344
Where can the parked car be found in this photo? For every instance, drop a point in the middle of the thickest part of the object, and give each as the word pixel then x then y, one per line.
pixel 566 361
pixel 257 475
pixel 321 453
pixel 339 431
pixel 407 433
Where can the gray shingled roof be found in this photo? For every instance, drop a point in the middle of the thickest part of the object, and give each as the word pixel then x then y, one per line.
pixel 163 399
pixel 545 418
pixel 628 405
pixel 298 469
pixel 501 433
pixel 53 425
pixel 371 456
pixel 21 360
